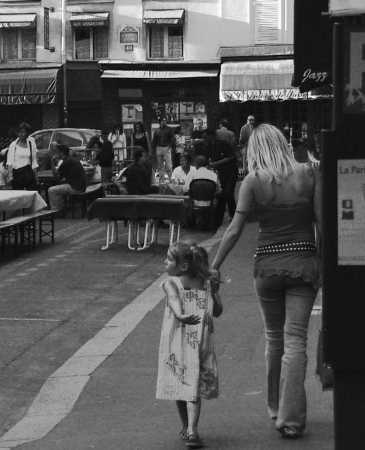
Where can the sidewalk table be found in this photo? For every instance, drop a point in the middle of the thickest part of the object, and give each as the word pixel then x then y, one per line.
pixel 139 211
pixel 20 200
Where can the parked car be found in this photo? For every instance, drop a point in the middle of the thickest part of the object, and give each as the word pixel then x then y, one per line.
pixel 75 138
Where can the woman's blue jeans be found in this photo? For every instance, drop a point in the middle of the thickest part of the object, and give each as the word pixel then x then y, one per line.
pixel 286 306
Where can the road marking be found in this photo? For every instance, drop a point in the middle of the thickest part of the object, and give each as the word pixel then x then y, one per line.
pixel 25 319
pixel 253 393
pixel 61 390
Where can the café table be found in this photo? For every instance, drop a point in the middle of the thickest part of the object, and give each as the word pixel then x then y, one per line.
pixel 20 200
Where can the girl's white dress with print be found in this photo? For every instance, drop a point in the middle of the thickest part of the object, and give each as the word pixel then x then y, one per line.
pixel 187 367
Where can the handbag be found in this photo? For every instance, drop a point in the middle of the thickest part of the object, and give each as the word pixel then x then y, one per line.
pixel 217 305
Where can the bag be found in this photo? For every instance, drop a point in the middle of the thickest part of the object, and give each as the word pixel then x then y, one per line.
pixel 323 370
pixel 24 178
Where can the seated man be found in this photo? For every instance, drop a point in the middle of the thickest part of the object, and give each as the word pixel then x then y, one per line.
pixel 139 175
pixel 180 173
pixel 201 172
pixel 72 173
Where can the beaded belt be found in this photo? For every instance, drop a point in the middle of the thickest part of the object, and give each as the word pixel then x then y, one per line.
pixel 285 247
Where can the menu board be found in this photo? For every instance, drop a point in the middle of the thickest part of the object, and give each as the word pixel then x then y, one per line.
pixel 351 212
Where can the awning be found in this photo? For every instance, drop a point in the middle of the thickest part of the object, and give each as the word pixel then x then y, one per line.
pixel 164 16
pixel 17 20
pixel 159 74
pixel 27 87
pixel 258 80
pixel 90 19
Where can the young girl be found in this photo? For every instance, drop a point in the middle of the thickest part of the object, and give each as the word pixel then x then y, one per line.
pixel 187 369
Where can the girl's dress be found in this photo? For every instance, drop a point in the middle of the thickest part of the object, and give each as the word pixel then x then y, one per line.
pixel 187 368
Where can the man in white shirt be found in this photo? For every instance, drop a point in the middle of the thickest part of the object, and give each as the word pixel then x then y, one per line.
pixel 180 173
pixel 201 172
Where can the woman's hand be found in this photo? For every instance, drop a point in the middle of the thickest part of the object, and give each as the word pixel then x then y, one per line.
pixel 189 319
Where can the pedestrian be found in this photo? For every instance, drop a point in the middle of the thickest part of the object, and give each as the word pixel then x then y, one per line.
pixel 22 160
pixel 180 141
pixel 285 195
pixel 4 172
pixel 163 145
pixel 118 139
pixel 223 159
pixel 245 134
pixel 224 134
pixel 187 367
pixel 72 176
pixel 104 157
pixel 140 137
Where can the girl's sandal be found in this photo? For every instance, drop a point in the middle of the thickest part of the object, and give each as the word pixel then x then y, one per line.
pixel 183 434
pixel 194 441
pixel 289 433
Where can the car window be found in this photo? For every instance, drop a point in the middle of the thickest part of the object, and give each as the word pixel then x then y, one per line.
pixel 67 137
pixel 42 139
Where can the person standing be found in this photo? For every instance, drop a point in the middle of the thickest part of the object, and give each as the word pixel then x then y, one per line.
pixel 187 364
pixel 223 160
pixel 245 134
pixel 22 160
pixel 119 142
pixel 140 137
pixel 163 144
pixel 286 198
pixel 224 134
pixel 179 146
pixel 105 157
pixel 72 176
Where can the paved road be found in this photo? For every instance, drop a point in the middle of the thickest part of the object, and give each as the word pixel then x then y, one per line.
pixel 117 408
pixel 57 297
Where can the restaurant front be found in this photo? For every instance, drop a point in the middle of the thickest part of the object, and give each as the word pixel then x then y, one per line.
pixel 183 93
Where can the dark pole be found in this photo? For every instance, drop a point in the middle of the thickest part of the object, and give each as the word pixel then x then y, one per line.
pixel 64 63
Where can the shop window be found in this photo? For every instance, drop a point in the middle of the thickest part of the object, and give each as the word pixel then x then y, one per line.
pixel 18 44
pixel 166 42
pixel 91 43
pixel 268 21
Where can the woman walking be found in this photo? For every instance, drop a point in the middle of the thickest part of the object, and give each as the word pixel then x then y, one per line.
pixel 118 139
pixel 22 160
pixel 140 137
pixel 285 195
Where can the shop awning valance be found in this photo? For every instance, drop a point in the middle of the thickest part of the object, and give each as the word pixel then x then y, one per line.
pixel 159 74
pixel 164 16
pixel 90 19
pixel 258 80
pixel 27 87
pixel 17 20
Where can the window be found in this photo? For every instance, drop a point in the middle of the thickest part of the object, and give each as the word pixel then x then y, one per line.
pixel 67 137
pixel 42 139
pixel 18 44
pixel 166 42
pixel 91 43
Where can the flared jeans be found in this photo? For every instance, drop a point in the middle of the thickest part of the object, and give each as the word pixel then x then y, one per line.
pixel 286 306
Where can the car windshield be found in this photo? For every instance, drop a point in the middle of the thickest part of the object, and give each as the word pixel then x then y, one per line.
pixel 67 137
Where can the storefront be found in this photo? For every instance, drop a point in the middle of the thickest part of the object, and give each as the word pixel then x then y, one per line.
pixel 30 95
pixel 258 81
pixel 182 93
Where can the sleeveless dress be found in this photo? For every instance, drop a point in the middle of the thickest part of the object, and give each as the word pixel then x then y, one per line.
pixel 187 366
pixel 283 224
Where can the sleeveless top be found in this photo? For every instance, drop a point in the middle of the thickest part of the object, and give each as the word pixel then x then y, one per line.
pixel 283 224
pixel 140 142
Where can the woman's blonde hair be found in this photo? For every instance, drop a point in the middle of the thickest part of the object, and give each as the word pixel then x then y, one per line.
pixel 269 152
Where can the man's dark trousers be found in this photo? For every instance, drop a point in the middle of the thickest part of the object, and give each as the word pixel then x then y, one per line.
pixel 226 197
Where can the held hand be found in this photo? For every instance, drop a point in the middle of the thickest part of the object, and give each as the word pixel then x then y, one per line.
pixel 215 279
pixel 189 319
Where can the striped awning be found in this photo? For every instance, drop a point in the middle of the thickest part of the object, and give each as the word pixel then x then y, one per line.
pixel 164 16
pixel 159 74
pixel 26 87
pixel 90 19
pixel 17 20
pixel 258 81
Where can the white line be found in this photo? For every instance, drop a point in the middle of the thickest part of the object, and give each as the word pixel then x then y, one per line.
pixel 61 390
pixel 24 319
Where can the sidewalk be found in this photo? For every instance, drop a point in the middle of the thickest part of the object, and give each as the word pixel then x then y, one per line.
pixel 117 408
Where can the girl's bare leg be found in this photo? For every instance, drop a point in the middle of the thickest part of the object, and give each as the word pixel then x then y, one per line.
pixel 183 413
pixel 193 409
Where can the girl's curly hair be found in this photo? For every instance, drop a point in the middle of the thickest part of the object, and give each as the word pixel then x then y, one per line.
pixel 195 256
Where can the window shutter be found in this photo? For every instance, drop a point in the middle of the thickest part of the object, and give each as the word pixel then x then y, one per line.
pixel 267 21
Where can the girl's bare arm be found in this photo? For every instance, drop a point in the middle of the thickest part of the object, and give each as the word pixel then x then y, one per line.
pixel 174 302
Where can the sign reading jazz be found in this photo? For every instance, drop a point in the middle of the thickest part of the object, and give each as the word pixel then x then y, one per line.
pixel 351 212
